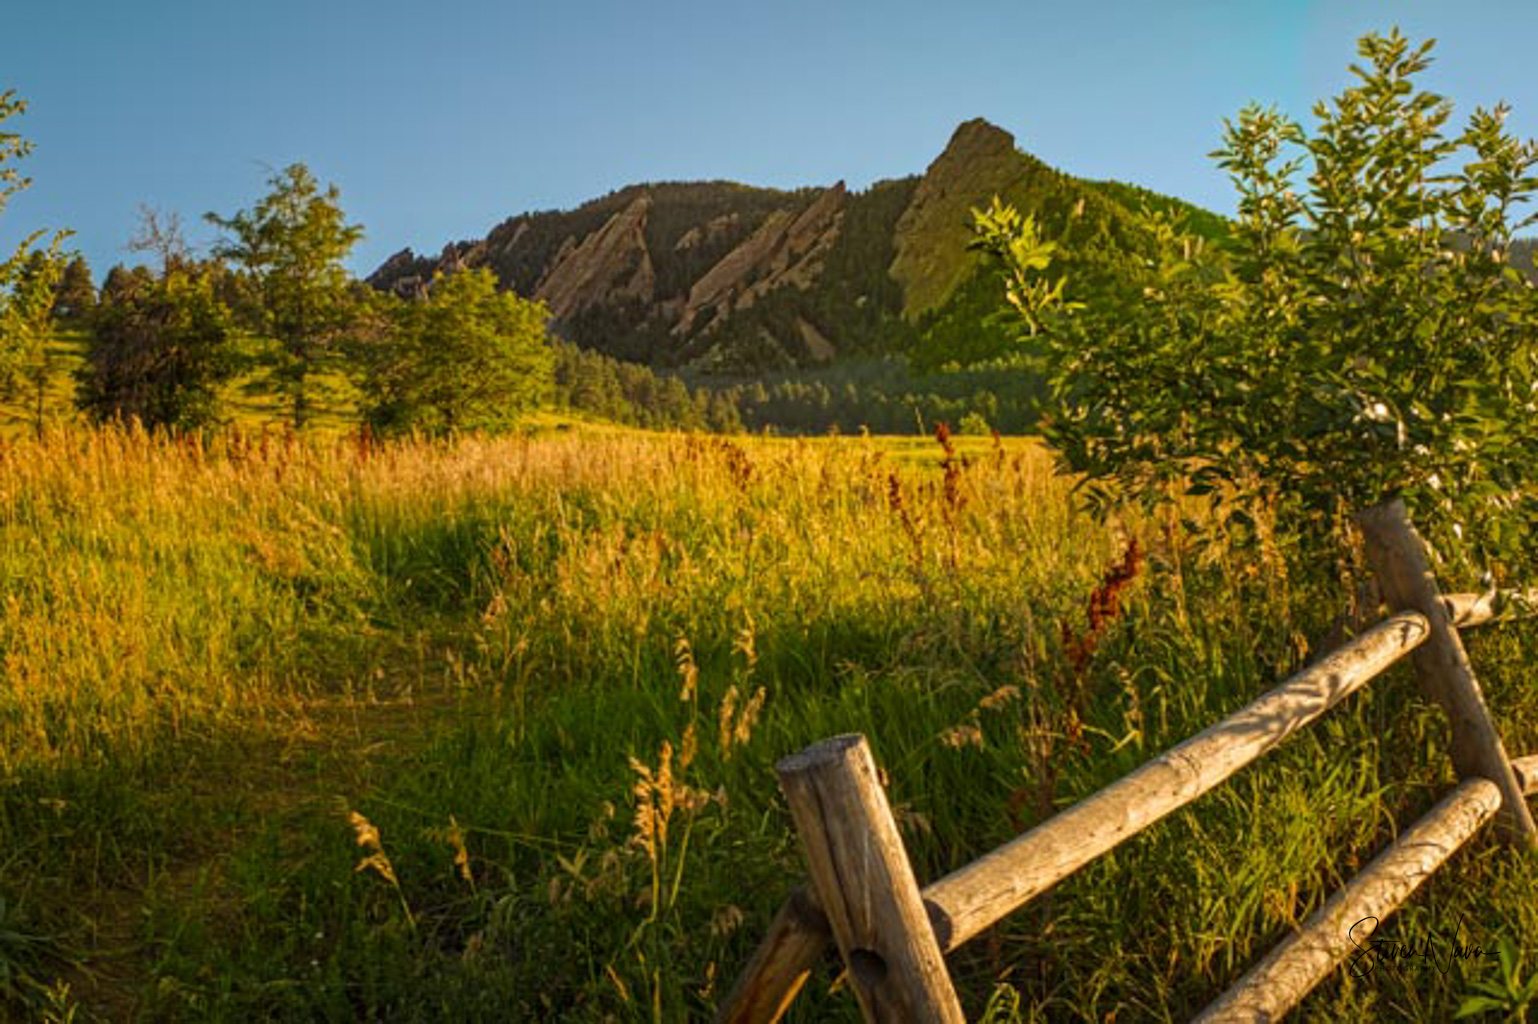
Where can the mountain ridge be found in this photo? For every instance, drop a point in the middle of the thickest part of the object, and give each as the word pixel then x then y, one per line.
pixel 729 277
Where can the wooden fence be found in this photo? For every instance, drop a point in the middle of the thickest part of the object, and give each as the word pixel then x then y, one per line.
pixel 892 935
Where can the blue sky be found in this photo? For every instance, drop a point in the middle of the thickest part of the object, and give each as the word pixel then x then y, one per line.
pixel 439 120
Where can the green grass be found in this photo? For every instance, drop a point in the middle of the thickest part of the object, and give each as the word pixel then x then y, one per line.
pixel 214 655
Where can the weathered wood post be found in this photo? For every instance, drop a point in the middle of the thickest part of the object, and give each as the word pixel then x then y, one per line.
pixel 971 898
pixel 1399 559
pixel 865 884
pixel 784 960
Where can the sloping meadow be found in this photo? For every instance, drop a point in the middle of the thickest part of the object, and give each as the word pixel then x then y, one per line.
pixel 487 729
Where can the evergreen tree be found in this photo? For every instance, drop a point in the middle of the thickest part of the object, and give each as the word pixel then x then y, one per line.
pixel 75 297
pixel 27 362
pixel 122 281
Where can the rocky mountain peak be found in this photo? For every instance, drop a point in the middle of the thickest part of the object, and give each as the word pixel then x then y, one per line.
pixel 975 137
pixel 932 258
pixel 724 276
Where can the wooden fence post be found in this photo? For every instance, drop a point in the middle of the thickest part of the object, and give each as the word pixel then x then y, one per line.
pixel 773 978
pixel 972 898
pixel 866 885
pixel 1399 560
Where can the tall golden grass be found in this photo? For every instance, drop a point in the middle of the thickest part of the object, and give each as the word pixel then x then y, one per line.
pixel 613 628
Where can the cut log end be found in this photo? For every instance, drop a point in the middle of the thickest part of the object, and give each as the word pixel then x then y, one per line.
pixel 820 756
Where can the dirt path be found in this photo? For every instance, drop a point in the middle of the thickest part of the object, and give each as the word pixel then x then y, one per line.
pixel 284 775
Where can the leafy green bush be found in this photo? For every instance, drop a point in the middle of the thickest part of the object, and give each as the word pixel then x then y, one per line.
pixel 465 357
pixel 1361 335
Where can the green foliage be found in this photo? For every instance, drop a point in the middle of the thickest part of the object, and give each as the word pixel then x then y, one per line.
pixel 21 952
pixel 12 148
pixel 1510 994
pixel 1023 257
pixel 27 362
pixel 1097 243
pixel 974 424
pixel 466 357
pixel 28 278
pixel 1355 339
pixel 122 282
pixel 1190 218
pixel 292 243
pixel 159 350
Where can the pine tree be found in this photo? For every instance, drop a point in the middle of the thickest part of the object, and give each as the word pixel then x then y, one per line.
pixel 74 299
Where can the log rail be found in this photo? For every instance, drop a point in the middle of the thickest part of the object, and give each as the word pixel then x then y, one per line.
pixel 892 951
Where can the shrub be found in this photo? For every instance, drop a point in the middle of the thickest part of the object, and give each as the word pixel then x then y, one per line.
pixel 1361 336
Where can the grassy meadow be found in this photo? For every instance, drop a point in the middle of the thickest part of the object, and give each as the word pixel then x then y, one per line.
pixel 485 730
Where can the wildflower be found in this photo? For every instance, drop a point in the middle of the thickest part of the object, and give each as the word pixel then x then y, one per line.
pixel 645 821
pixel 1104 606
pixel 746 642
pixel 749 717
pixel 734 728
pixel 725 716
pixel 368 838
pixel 688 748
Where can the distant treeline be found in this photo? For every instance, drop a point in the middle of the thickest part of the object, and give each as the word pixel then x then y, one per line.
pixel 886 396
pixel 881 395
pixel 632 394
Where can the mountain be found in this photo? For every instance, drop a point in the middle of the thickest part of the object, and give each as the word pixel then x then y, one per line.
pixel 1524 256
pixel 727 278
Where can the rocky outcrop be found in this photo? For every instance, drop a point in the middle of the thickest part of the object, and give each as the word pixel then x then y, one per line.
pixel 704 234
pixel 405 274
pixel 786 250
pixel 609 266
pixel 505 238
pixel 462 256
pixel 818 348
pixel 409 276
pixel 932 258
